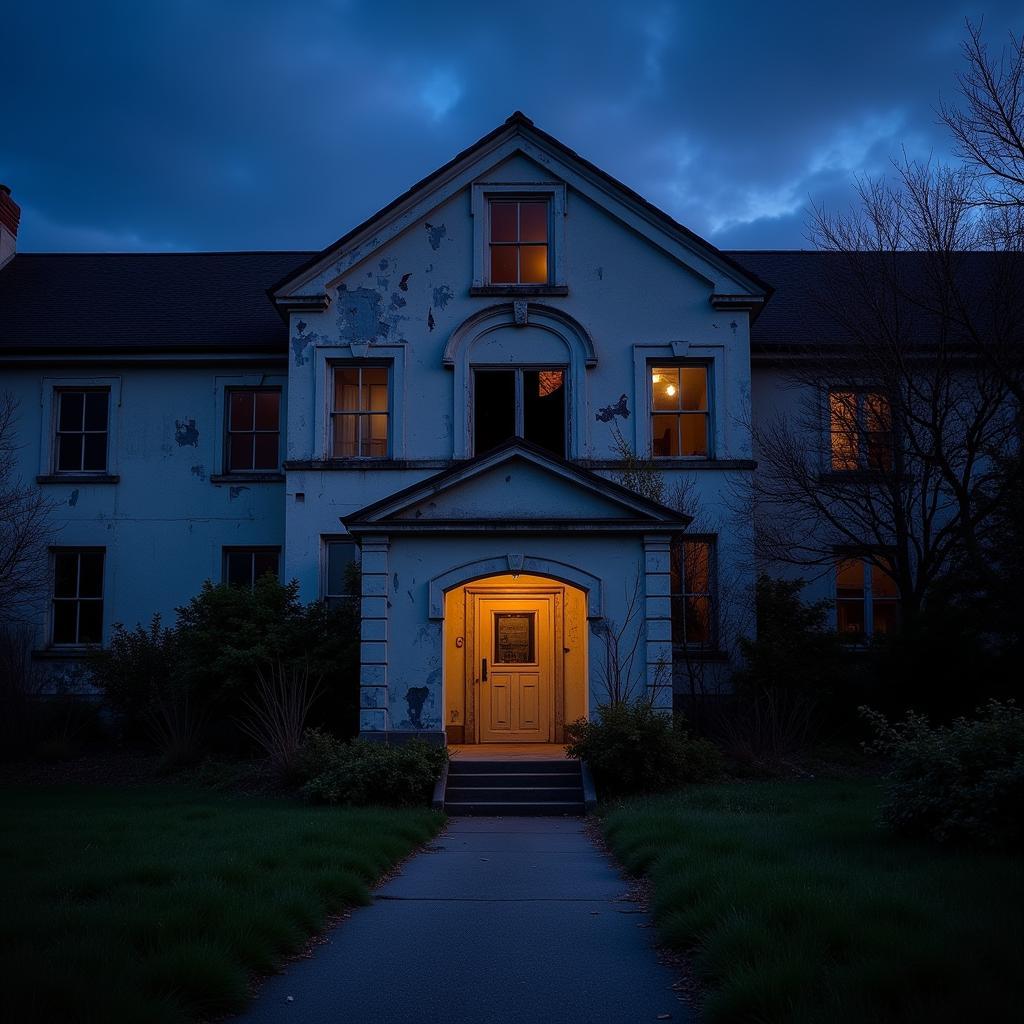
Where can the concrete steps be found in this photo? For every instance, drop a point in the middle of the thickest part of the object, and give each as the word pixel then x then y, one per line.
pixel 515 787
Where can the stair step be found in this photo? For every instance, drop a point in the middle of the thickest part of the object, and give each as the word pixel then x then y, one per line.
pixel 529 809
pixel 515 779
pixel 457 767
pixel 534 794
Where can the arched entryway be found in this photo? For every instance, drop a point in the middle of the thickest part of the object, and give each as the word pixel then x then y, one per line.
pixel 515 658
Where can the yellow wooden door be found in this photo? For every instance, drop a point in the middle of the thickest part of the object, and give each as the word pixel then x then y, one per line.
pixel 515 659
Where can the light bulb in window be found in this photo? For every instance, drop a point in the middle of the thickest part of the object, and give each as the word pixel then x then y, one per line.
pixel 670 390
pixel 655 378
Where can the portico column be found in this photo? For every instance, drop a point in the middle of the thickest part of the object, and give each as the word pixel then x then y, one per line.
pixel 658 619
pixel 373 649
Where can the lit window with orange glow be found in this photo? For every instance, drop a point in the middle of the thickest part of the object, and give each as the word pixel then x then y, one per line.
pixel 360 412
pixel 860 428
pixel 867 600
pixel 680 420
pixel 518 241
pixel 692 593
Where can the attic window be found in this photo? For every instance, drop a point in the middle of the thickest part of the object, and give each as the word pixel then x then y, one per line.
pixel 518 241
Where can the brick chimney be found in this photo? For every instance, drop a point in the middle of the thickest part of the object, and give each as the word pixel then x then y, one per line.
pixel 10 214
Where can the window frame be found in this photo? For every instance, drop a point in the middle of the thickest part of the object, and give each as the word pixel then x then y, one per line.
pixel 518 245
pixel 520 414
pixel 252 550
pixel 554 193
pixel 326 540
pixel 59 391
pixel 863 449
pixel 77 643
pixel 711 542
pixel 709 414
pixel 868 600
pixel 389 414
pixel 231 389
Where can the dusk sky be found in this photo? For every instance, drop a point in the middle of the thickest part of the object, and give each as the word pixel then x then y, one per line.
pixel 242 124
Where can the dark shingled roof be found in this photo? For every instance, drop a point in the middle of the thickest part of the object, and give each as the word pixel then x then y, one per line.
pixel 217 301
pixel 167 302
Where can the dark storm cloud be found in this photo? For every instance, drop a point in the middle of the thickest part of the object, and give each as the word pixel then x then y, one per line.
pixel 197 125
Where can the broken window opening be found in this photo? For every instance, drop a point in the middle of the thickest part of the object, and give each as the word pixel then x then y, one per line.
pixel 526 403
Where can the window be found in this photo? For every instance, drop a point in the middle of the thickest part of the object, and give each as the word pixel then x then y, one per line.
pixel 340 556
pixel 860 425
pixel 359 415
pixel 254 430
pixel 77 596
pixel 519 403
pixel 679 411
pixel 518 242
pixel 692 573
pixel 244 566
pixel 866 600
pixel 82 425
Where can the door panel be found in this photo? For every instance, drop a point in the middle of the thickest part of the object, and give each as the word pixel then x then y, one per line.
pixel 516 637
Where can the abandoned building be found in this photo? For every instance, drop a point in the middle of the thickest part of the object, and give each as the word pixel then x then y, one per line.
pixel 455 394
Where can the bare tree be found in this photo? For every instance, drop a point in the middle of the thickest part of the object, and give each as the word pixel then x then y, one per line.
pixel 25 529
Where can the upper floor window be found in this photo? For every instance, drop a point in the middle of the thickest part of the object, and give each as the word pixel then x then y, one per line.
pixel 519 403
pixel 82 428
pixel 244 566
pixel 518 242
pixel 866 600
pixel 692 572
pixel 680 415
pixel 77 596
pixel 860 427
pixel 360 412
pixel 254 430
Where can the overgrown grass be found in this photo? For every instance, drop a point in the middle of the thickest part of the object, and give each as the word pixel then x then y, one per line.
pixel 799 908
pixel 157 904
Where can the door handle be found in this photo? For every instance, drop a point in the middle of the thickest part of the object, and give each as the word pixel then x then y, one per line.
pixel 483 671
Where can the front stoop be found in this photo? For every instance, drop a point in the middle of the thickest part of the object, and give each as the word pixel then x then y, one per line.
pixel 514 788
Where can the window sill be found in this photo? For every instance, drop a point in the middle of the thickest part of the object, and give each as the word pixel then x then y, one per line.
pixel 247 478
pixel 370 464
pixel 69 653
pixel 519 291
pixel 78 478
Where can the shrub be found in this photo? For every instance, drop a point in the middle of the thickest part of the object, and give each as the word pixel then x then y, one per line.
pixel 959 783
pixel 632 748
pixel 361 773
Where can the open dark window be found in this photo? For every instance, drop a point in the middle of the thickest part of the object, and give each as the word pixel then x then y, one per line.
pixel 82 424
pixel 519 403
pixel 77 596
pixel 244 566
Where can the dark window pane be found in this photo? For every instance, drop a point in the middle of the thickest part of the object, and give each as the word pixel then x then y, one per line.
pixel 69 452
pixel 514 638
pixel 96 403
pixel 504 266
pixel 65 580
pixel 266 451
pixel 65 622
pixel 698 620
pixel 665 388
pixel 90 622
pixel 494 408
pixel 340 555
pixel 885 617
pixel 240 410
pixel 238 568
pixel 533 264
pixel 882 584
pixel 90 574
pixel 240 452
pixel 94 457
pixel 676 567
pixel 698 568
pixel 850 578
pixel 544 409
pixel 879 448
pixel 664 436
pixel 533 222
pixel 71 403
pixel 694 434
pixel 503 222
pixel 264 562
pixel 850 618
pixel 268 410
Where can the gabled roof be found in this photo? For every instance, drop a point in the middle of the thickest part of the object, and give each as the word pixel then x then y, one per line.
pixel 515 488
pixel 517 134
pixel 142 302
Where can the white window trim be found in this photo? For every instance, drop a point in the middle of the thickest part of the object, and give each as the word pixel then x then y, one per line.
pixel 680 353
pixel 329 356
pixel 551 191
pixel 224 384
pixel 48 420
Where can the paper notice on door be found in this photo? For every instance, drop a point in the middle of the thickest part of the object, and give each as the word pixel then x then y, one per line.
pixel 513 638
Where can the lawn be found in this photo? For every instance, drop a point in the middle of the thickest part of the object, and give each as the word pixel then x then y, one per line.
pixel 161 904
pixel 798 907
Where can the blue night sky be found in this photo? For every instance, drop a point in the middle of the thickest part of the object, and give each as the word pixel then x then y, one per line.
pixel 241 124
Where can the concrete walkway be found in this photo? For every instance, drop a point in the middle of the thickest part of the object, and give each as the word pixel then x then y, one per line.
pixel 500 920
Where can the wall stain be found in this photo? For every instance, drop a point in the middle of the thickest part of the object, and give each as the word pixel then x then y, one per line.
pixel 359 314
pixel 435 234
pixel 404 283
pixel 430 319
pixel 73 500
pixel 394 582
pixel 198 471
pixel 234 492
pixel 609 412
pixel 186 433
pixel 415 698
pixel 442 296
pixel 600 273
